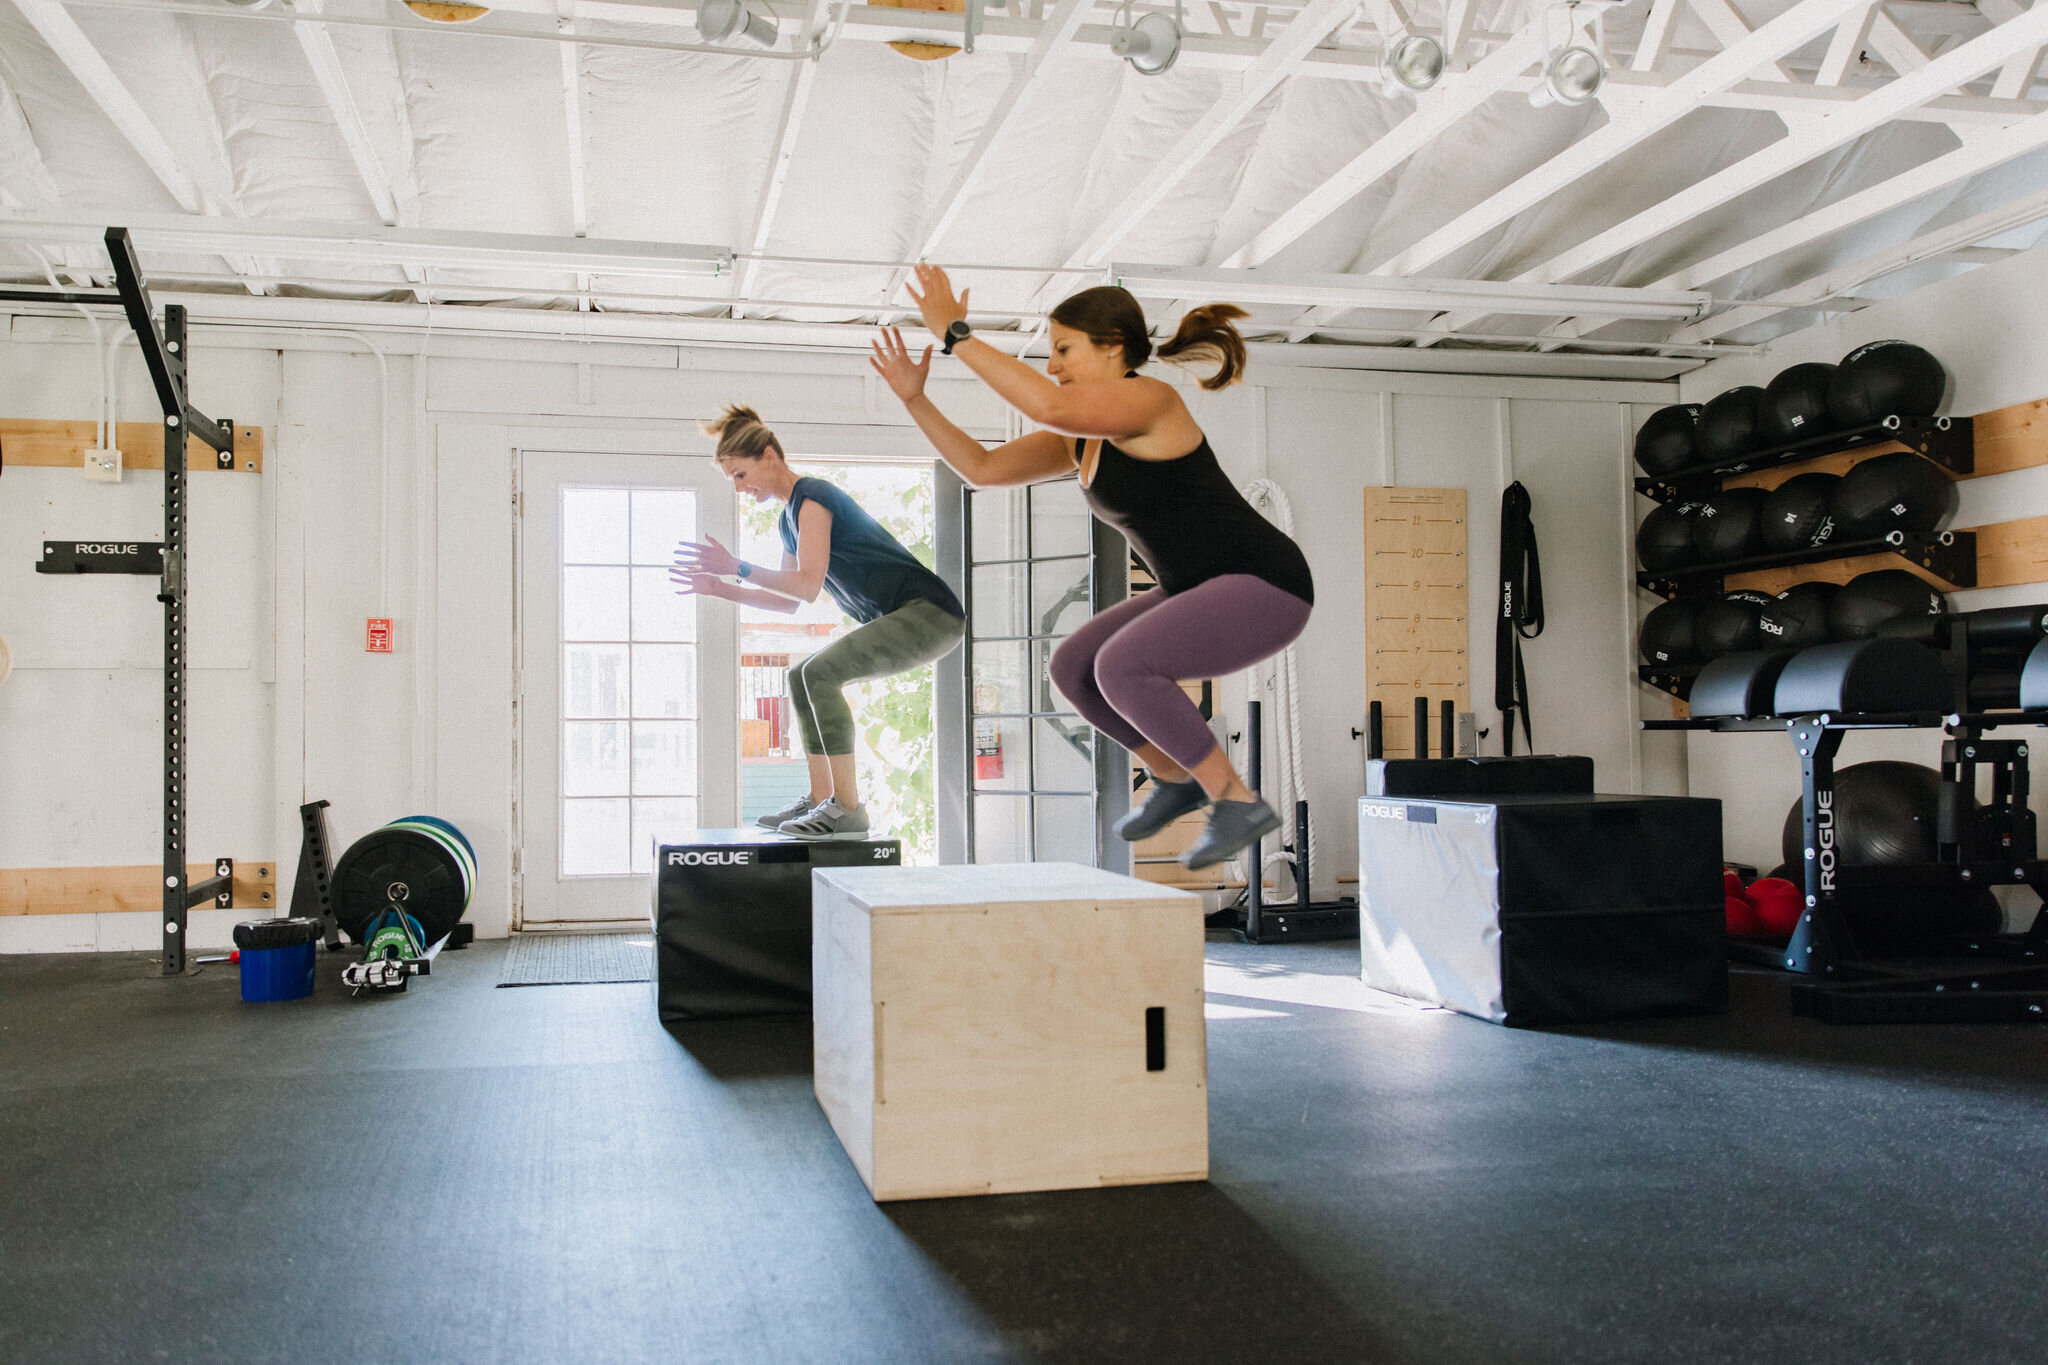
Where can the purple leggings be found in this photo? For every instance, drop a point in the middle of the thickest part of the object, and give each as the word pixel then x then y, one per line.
pixel 1123 669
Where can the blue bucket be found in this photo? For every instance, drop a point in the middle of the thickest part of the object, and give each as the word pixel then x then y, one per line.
pixel 277 973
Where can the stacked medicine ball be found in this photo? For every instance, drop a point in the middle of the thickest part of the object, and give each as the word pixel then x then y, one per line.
pixel 1886 493
pixel 1695 630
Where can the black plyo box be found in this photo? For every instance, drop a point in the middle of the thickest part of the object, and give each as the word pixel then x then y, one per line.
pixel 1525 774
pixel 732 918
pixel 1555 909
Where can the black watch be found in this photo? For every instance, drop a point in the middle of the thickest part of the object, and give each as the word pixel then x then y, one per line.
pixel 957 331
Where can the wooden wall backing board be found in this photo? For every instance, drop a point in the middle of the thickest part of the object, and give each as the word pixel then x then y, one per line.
pixel 1417 637
pixel 2003 440
pixel 53 444
pixel 2009 553
pixel 107 890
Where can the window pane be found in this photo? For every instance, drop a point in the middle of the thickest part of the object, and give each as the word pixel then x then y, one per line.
pixel 664 758
pixel 595 839
pixel 999 601
pixel 593 525
pixel 1066 830
pixel 659 818
pixel 1059 519
pixel 998 523
pixel 594 761
pixel 1064 754
pixel 661 517
pixel 659 611
pixel 1061 598
pixel 1000 682
pixel 594 604
pixel 1002 829
pixel 665 682
pixel 999 759
pixel 594 682
pixel 1044 696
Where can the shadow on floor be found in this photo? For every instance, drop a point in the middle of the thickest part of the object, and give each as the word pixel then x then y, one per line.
pixel 766 1048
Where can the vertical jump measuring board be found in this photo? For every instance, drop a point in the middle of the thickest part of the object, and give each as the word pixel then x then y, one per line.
pixel 1417 635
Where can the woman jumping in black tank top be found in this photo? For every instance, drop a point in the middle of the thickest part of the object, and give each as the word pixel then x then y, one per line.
pixel 1233 589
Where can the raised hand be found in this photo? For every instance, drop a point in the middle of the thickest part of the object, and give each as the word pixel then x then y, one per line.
pixel 935 300
pixel 891 360
pixel 690 584
pixel 707 558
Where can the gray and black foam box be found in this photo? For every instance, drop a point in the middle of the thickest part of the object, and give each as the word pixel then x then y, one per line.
pixel 1544 909
pixel 732 918
pixel 1491 776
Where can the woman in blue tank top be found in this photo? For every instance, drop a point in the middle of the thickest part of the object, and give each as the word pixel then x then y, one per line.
pixel 1233 589
pixel 907 614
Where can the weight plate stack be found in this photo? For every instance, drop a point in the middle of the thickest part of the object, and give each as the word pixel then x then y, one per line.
pixel 421 864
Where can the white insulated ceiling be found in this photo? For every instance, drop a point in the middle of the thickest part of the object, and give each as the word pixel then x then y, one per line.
pixel 1782 156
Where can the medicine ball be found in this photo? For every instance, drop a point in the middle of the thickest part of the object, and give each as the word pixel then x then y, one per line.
pixel 1798 513
pixel 1795 404
pixel 1670 633
pixel 1732 623
pixel 1870 599
pixel 1728 425
pixel 1798 616
pixel 1884 379
pixel 1777 905
pixel 1729 525
pixel 1669 439
pixel 1664 540
pixel 1895 492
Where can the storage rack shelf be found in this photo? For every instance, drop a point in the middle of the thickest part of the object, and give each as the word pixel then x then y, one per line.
pixel 1948 441
pixel 1950 556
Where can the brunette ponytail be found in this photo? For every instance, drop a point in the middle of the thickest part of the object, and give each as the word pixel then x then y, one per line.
pixel 1206 334
pixel 740 431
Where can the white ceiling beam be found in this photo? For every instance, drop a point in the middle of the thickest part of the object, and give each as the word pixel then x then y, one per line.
pixel 2016 77
pixel 572 120
pixel 1796 27
pixel 1658 28
pixel 1845 50
pixel 796 101
pixel 1453 97
pixel 325 63
pixel 1304 31
pixel 1894 44
pixel 1730 28
pixel 1942 242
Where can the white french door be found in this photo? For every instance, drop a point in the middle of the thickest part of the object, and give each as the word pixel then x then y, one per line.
pixel 628 690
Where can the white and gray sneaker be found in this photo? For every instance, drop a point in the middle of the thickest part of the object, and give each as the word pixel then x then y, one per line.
pixel 795 810
pixel 829 821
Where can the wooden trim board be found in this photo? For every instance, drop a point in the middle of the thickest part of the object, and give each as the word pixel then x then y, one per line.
pixel 105 890
pixel 62 445
pixel 1417 637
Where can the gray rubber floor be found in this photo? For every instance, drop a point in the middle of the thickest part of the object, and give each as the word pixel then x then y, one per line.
pixel 471 1174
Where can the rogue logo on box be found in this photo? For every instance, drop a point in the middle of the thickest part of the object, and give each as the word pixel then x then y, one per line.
pixel 699 858
pixel 1384 812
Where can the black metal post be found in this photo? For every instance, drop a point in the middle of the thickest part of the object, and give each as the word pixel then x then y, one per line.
pixel 1301 868
pixel 1375 731
pixel 1421 727
pixel 1821 940
pixel 1447 729
pixel 1254 892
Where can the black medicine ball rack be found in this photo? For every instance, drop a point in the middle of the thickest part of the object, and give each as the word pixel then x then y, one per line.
pixel 1951 556
pixel 1975 978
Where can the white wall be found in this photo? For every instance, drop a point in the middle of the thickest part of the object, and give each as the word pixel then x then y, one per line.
pixel 1986 328
pixel 392 497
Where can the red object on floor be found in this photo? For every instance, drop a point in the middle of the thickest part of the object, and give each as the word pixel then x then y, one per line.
pixel 1779 904
pixel 1742 920
pixel 1731 883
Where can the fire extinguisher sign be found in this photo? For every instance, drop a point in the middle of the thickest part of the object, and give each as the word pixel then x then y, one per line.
pixel 988 750
pixel 377 637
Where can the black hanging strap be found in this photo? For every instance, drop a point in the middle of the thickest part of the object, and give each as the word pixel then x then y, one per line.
pixel 1520 616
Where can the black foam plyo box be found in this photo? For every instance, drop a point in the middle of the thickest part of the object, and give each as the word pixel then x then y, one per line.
pixel 1492 776
pixel 732 918
pixel 1538 910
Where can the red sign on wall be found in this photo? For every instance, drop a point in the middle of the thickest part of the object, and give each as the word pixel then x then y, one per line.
pixel 378 638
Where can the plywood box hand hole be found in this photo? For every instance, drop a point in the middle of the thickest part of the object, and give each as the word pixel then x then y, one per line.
pixel 1009 1027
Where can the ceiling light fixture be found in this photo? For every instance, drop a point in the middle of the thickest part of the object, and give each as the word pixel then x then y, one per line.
pixel 1411 64
pixel 1151 42
pixel 720 20
pixel 1396 294
pixel 1572 72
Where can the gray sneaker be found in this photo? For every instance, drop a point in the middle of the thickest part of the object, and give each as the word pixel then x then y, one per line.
pixel 1165 803
pixel 1233 825
pixel 795 810
pixel 830 821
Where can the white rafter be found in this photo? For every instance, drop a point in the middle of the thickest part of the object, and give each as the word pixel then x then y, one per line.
pixel 1951 242
pixel 572 118
pixel 318 46
pixel 1845 49
pixel 1455 96
pixel 796 99
pixel 1658 30
pixel 1730 28
pixel 2016 77
pixel 1308 27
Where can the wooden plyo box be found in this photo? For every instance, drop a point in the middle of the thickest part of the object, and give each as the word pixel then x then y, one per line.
pixel 991 1029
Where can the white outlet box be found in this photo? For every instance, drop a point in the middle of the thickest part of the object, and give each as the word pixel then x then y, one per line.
pixel 103 466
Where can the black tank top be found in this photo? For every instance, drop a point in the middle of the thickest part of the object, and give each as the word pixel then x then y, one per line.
pixel 1188 523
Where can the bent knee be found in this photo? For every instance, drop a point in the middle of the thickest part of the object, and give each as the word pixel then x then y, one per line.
pixel 1071 667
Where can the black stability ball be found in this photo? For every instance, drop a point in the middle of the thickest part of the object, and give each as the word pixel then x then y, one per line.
pixel 1732 623
pixel 1886 379
pixel 1798 616
pixel 1795 404
pixel 1669 439
pixel 1884 816
pixel 1664 540
pixel 1895 492
pixel 1798 513
pixel 1728 425
pixel 1868 600
pixel 1671 633
pixel 1729 525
